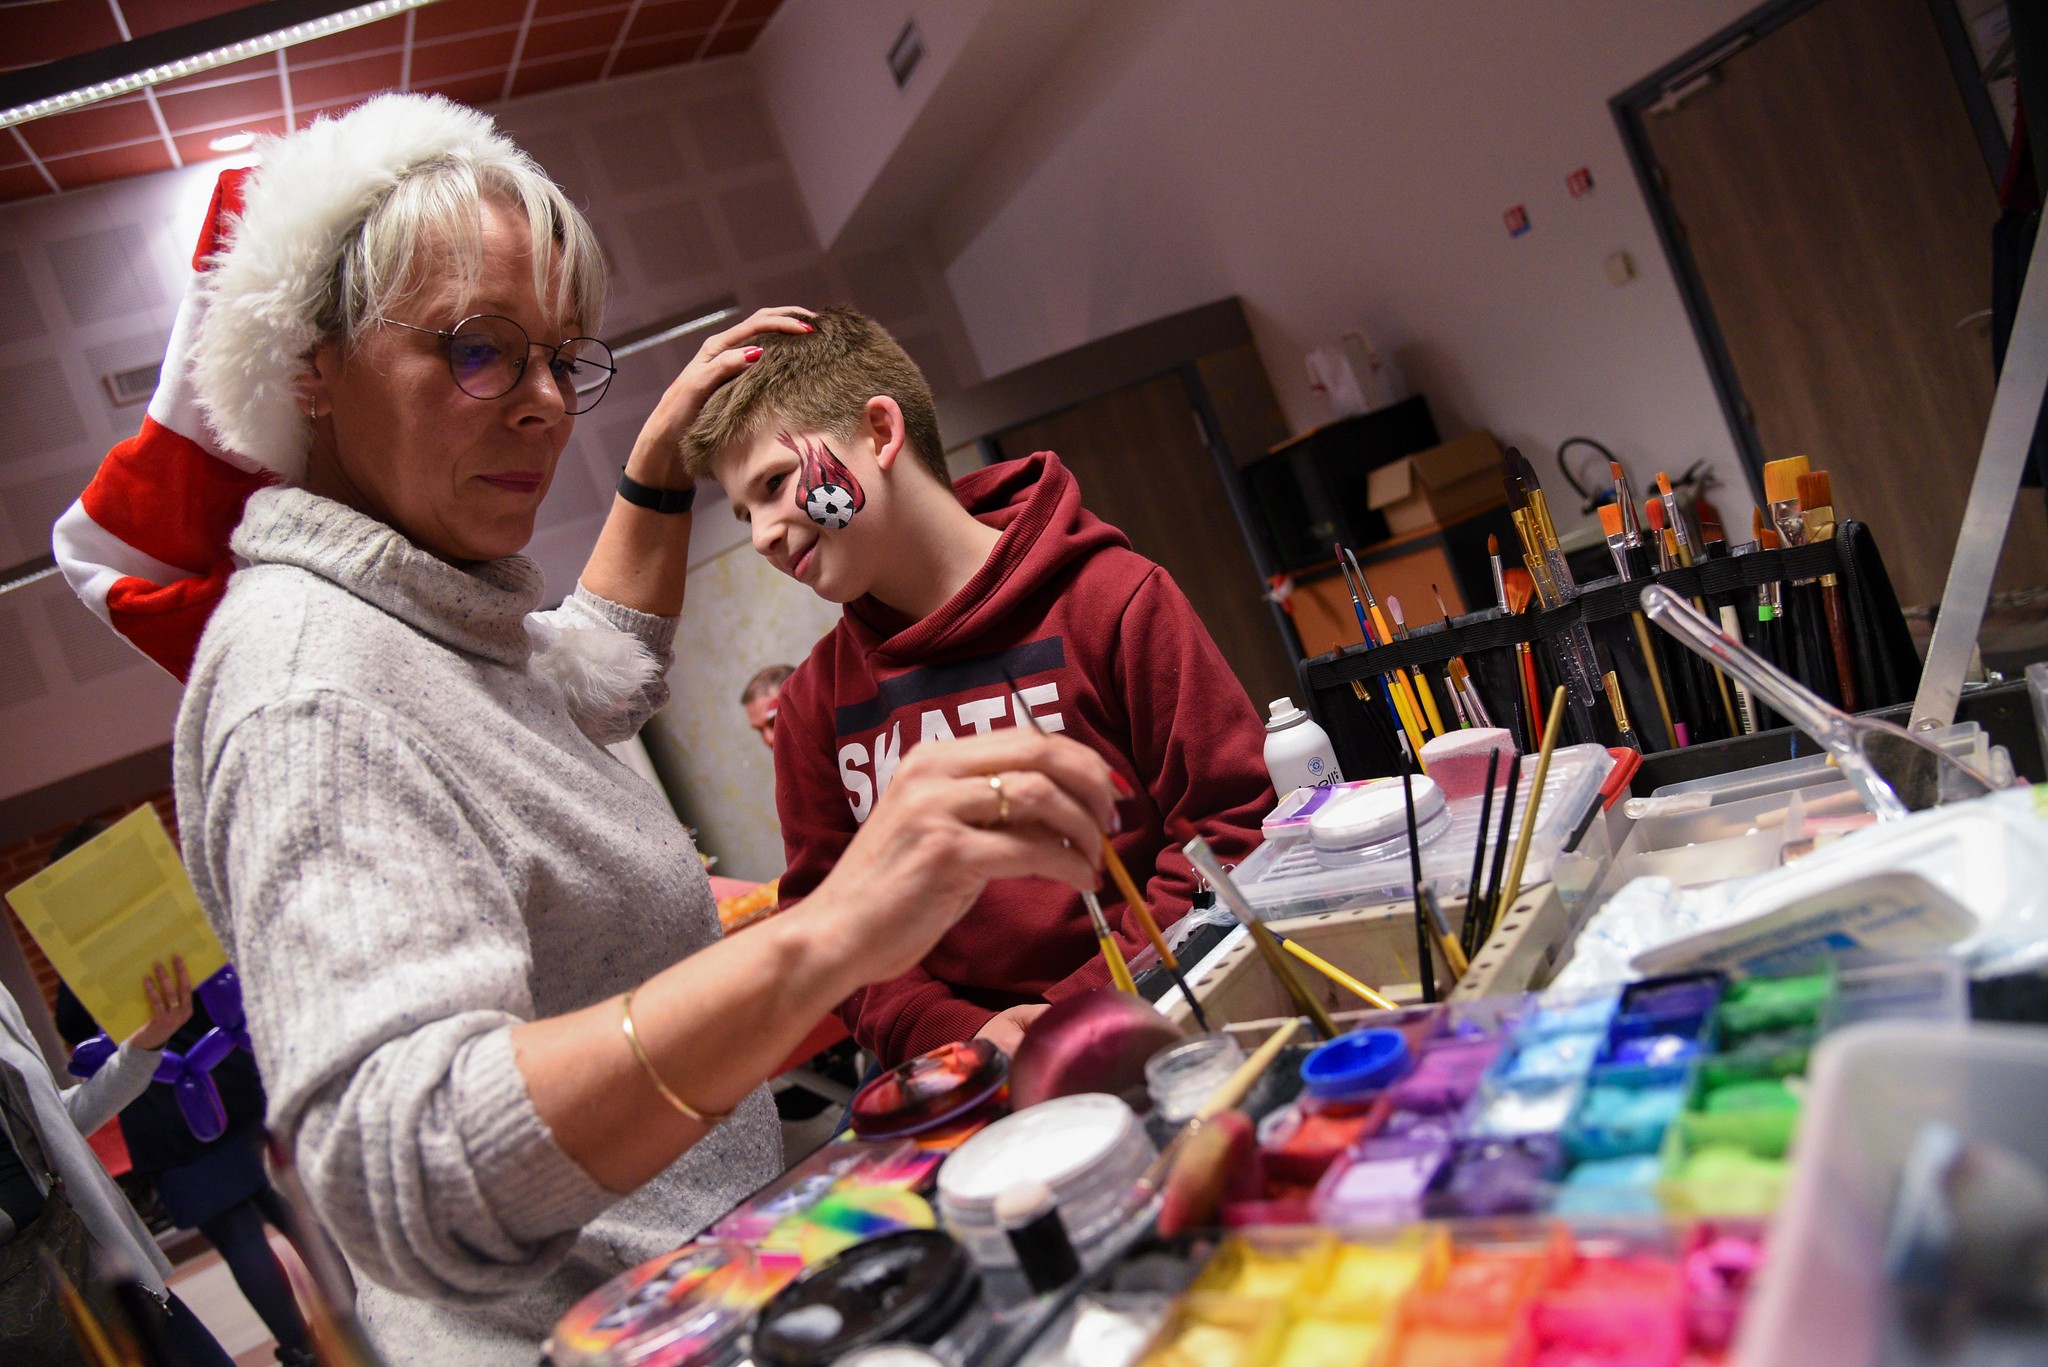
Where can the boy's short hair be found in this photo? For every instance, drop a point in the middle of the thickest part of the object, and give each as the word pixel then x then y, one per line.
pixel 821 381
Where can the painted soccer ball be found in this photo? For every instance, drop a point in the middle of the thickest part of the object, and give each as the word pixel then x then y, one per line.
pixel 829 506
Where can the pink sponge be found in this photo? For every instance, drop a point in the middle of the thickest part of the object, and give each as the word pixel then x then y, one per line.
pixel 1458 761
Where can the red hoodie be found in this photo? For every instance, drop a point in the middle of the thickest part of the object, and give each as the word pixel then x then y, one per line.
pixel 1106 650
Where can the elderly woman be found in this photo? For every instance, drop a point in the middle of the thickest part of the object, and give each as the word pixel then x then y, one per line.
pixel 481 959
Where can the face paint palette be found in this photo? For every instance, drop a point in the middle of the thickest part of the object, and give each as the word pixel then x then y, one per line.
pixel 907 1287
pixel 930 1090
pixel 683 1309
pixel 846 1218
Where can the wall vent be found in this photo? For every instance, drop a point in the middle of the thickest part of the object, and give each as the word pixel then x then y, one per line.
pixel 134 385
pixel 905 53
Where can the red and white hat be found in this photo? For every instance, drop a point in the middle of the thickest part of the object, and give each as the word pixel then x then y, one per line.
pixel 146 544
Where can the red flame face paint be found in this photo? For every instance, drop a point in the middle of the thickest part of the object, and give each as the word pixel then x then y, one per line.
pixel 830 493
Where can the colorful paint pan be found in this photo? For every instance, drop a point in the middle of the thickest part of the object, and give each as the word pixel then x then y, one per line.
pixel 684 1309
pixel 909 1287
pixel 930 1090
pixel 846 1218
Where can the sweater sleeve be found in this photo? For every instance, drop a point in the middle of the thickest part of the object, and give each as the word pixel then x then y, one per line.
pixel 107 1093
pixel 611 722
pixel 1196 740
pixel 384 960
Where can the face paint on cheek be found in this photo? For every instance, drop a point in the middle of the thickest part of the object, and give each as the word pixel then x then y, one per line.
pixel 829 492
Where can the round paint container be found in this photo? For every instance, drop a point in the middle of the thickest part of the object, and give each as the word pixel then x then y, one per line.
pixel 684 1309
pixel 1088 1149
pixel 1356 1066
pixel 901 1288
pixel 930 1090
pixel 1180 1079
pixel 1372 823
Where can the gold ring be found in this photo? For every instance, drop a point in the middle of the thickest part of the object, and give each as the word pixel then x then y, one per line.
pixel 995 781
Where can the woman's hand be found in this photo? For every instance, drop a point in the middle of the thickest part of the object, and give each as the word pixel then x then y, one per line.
pixel 656 457
pixel 170 1004
pixel 958 814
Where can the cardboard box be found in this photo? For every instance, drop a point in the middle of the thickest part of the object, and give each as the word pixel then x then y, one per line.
pixel 1439 485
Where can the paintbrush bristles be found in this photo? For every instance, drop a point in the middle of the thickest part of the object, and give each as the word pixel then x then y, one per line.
pixel 1664 483
pixel 1610 519
pixel 1653 513
pixel 1781 478
pixel 1816 490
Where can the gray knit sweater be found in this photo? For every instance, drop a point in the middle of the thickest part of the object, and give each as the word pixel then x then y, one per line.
pixel 396 805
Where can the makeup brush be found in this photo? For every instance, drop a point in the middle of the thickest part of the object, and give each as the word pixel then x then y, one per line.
pixel 1653 513
pixel 1625 498
pixel 1611 684
pixel 1470 929
pixel 1745 707
pixel 1119 971
pixel 1134 900
pixel 1514 883
pixel 1422 688
pixel 1491 906
pixel 1500 588
pixel 1817 504
pixel 1204 859
pixel 1401 706
pixel 1464 697
pixel 1455 958
pixel 1423 928
pixel 1334 973
pixel 1614 527
pixel 1398 679
pixel 1781 490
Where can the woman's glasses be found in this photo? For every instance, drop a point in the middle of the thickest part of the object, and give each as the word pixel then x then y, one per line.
pixel 487 356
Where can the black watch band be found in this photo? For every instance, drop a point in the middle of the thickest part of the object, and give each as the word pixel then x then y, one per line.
pixel 653 499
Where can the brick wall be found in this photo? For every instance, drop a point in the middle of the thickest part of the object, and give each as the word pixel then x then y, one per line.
pixel 24 859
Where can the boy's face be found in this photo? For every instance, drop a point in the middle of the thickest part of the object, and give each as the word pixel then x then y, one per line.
pixel 815 502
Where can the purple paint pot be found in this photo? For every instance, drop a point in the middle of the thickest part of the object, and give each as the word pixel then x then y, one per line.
pixel 1500 1177
pixel 1445 1077
pixel 1380 1182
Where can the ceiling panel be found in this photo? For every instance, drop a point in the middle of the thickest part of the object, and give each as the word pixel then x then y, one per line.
pixel 85 130
pixel 464 49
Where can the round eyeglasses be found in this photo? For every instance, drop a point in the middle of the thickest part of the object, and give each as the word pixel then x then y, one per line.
pixel 487 356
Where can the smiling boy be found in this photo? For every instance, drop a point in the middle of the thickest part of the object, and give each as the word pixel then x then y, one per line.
pixel 829 447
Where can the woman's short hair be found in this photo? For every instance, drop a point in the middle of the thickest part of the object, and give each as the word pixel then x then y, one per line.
pixel 330 236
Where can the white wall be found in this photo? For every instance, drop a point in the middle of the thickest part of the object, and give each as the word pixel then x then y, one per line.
pixel 1346 163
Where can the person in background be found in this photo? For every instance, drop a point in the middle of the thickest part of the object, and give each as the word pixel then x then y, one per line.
pixel 759 698
pixel 217 1188
pixel 829 447
pixel 56 1199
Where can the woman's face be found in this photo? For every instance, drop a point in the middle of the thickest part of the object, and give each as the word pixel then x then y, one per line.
pixel 395 438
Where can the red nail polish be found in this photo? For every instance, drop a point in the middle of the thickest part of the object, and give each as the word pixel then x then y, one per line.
pixel 752 353
pixel 809 328
pixel 1123 785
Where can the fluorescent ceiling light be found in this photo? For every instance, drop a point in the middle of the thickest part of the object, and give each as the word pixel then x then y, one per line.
pixel 233 142
pixel 180 67
pixel 669 334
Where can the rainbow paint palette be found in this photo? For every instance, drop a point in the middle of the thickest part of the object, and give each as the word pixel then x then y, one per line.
pixel 684 1309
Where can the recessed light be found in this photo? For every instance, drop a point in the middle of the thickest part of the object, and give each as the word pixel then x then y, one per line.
pixel 233 142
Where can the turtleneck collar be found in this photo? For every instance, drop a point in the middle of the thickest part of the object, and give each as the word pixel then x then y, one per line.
pixel 480 609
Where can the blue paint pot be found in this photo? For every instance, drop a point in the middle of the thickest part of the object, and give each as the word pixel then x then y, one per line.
pixel 1355 1065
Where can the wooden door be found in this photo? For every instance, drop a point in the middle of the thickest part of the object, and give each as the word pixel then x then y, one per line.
pixel 1838 210
pixel 1143 467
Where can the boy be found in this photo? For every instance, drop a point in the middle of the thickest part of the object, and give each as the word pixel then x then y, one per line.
pixel 828 445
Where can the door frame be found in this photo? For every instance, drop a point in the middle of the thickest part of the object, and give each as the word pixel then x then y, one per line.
pixel 1630 110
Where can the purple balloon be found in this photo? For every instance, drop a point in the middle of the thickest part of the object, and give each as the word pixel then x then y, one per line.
pixel 222 994
pixel 206 1055
pixel 199 1101
pixel 91 1056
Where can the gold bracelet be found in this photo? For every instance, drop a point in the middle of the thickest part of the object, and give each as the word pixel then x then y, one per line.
pixel 647 1067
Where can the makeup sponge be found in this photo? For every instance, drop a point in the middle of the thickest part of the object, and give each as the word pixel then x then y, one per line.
pixel 1457 761
pixel 1096 1041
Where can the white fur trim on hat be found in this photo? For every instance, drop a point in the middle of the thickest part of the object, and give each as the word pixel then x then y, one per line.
pixel 310 190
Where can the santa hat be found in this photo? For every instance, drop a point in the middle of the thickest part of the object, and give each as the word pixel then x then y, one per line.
pixel 146 544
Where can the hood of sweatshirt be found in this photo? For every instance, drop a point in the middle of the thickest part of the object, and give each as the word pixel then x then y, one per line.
pixel 1036 504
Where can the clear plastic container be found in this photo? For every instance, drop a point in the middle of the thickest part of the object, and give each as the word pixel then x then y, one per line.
pixel 1822 1295
pixel 1285 878
pixel 1181 1078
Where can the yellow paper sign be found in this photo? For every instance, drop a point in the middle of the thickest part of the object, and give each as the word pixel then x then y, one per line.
pixel 110 909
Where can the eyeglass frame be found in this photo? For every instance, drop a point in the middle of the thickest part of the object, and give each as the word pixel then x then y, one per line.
pixel 448 336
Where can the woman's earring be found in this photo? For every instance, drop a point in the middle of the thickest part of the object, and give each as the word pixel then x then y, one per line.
pixel 313 407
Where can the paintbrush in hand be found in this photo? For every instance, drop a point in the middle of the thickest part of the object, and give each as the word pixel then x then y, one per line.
pixel 1121 876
